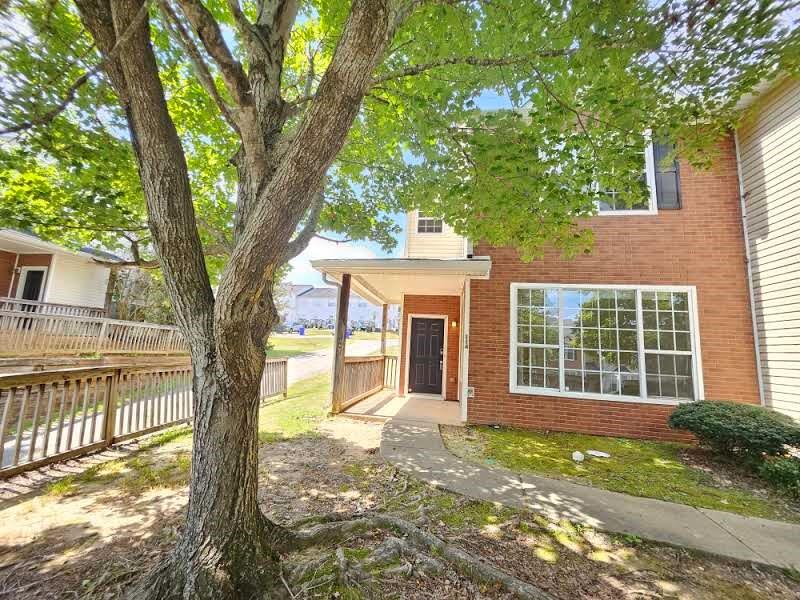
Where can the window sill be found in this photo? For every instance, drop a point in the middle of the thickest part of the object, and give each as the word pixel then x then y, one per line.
pixel 528 391
pixel 626 213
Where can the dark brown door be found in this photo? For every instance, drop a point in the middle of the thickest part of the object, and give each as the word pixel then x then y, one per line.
pixel 426 356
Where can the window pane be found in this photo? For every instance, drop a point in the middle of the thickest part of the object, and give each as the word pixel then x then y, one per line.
pixel 626 299
pixel 681 321
pixel 551 379
pixel 683 342
pixel 627 319
pixel 537 335
pixel 524 335
pixel 523 376
pixel 650 319
pixel 573 381
pixel 648 300
pixel 680 301
pixel 591 382
pixel 627 340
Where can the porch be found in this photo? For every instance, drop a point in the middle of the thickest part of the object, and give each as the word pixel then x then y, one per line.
pixel 426 381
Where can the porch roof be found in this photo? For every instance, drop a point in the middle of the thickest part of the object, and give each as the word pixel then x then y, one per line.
pixel 385 280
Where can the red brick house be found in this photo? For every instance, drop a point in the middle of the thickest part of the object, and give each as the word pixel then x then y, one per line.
pixel 608 343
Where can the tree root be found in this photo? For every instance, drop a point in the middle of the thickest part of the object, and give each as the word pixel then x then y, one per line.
pixel 422 552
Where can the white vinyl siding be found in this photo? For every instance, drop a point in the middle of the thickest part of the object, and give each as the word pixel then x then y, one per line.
pixel 447 244
pixel 76 280
pixel 769 152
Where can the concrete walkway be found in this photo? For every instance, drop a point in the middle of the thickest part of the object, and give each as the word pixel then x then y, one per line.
pixel 418 449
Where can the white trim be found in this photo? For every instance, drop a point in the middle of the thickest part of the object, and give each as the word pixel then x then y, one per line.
pixel 464 350
pixel 49 277
pixel 650 175
pixel 401 333
pixel 697 367
pixel 446 320
pixel 756 337
pixel 23 277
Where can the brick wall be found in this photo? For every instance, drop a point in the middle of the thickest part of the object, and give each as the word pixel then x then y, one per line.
pixel 434 305
pixel 6 271
pixel 701 244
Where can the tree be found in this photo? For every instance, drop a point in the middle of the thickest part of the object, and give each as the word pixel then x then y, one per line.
pixel 335 112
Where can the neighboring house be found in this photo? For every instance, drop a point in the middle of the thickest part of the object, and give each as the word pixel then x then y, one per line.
pixel 769 151
pixel 609 343
pixel 318 304
pixel 290 293
pixel 33 269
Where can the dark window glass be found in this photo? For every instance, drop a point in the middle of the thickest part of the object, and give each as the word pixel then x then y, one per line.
pixel 668 192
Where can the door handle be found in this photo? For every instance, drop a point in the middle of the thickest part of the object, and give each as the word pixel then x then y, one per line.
pixel 440 365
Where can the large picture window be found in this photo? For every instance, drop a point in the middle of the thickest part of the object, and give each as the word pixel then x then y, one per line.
pixel 625 343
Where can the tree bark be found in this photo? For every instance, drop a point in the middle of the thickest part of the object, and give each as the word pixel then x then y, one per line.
pixel 228 548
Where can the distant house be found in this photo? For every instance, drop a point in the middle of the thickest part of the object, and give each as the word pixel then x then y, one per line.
pixel 308 304
pixel 36 270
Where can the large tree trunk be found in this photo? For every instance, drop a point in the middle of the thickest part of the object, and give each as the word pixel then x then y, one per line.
pixel 228 547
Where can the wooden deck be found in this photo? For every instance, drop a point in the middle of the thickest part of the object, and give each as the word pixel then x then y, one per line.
pixel 386 404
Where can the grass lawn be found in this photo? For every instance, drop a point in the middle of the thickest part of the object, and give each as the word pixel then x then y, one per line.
pixel 306 405
pixel 290 345
pixel 93 534
pixel 640 468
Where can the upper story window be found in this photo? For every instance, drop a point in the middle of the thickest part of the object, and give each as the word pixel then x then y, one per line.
pixel 427 224
pixel 663 185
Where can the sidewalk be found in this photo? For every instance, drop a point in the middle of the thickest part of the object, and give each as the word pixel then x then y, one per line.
pixel 418 448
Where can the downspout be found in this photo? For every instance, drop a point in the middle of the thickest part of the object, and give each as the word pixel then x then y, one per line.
pixel 743 204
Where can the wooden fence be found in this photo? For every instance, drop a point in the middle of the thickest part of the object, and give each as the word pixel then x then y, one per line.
pixel 366 375
pixel 49 416
pixel 50 308
pixel 24 333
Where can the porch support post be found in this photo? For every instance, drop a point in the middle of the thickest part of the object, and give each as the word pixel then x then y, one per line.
pixel 384 324
pixel 338 391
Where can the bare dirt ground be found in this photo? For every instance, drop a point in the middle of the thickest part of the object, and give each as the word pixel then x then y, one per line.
pixel 93 533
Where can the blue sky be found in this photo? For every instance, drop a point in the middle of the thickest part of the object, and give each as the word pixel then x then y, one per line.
pixel 301 270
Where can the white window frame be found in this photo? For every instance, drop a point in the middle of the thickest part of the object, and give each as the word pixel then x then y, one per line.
pixel 420 218
pixel 697 367
pixel 650 176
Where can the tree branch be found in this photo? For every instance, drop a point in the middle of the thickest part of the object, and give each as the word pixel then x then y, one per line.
pixel 51 114
pixel 474 61
pixel 207 29
pixel 204 76
pixel 301 240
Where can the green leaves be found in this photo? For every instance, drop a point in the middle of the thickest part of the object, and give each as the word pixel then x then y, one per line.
pixel 578 84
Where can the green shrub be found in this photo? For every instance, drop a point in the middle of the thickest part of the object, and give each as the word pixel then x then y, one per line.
pixel 783 473
pixel 737 428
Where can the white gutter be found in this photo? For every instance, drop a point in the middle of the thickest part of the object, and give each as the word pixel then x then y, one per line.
pixel 743 204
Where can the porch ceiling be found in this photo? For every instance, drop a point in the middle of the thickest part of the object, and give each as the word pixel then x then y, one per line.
pixel 385 280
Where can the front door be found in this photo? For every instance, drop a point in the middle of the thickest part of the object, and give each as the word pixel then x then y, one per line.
pixel 32 284
pixel 426 356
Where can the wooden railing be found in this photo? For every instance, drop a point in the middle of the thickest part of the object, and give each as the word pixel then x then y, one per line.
pixel 366 375
pixel 23 334
pixel 49 416
pixel 50 308
pixel 275 379
pixel 390 374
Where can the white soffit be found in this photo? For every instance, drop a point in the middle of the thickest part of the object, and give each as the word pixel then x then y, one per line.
pixel 385 280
